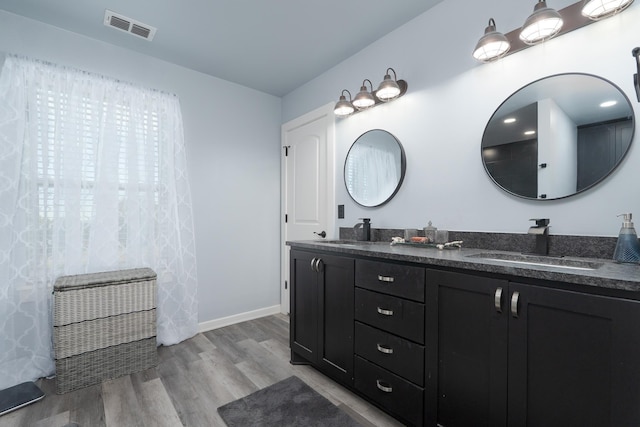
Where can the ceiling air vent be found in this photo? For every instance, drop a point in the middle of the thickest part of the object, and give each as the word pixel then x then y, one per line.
pixel 131 26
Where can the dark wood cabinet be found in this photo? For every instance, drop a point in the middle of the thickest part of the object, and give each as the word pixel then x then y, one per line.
pixel 389 337
pixel 466 351
pixel 573 359
pixel 322 301
pixel 500 353
pixel 438 347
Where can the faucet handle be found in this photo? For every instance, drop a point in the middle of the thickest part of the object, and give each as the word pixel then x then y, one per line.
pixel 366 220
pixel 540 222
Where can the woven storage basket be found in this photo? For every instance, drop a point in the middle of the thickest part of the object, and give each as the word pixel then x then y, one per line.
pixel 91 368
pixel 104 326
pixel 97 295
pixel 95 334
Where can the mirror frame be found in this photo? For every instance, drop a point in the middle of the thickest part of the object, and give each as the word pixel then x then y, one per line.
pixel 618 163
pixel 403 168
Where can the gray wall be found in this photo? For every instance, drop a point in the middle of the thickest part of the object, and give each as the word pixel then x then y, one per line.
pixel 232 137
pixel 451 97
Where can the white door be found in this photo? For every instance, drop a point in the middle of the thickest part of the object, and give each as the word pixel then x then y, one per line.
pixel 307 183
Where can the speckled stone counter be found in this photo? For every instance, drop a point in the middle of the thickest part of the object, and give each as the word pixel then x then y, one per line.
pixel 608 275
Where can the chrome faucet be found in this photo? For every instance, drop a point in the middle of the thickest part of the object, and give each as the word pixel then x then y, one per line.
pixel 366 229
pixel 541 231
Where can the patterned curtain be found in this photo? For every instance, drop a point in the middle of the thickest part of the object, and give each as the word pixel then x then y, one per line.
pixel 92 178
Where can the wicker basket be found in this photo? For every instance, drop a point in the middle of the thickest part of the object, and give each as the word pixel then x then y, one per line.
pixel 93 296
pixel 83 370
pixel 104 326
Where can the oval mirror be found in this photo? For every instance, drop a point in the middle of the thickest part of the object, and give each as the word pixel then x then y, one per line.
pixel 558 136
pixel 374 168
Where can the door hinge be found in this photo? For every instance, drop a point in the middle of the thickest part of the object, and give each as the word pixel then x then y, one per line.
pixel 286 218
pixel 286 150
pixel 286 285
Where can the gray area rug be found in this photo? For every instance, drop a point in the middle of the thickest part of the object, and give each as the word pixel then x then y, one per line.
pixel 289 403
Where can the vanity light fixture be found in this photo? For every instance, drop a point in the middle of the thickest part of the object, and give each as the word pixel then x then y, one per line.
pixel 343 107
pixel 509 120
pixel 492 45
pixel 388 90
pixel 530 132
pixel 364 98
pixel 600 9
pixel 543 24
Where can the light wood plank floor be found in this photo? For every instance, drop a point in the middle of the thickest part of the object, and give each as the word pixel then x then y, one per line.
pixel 191 381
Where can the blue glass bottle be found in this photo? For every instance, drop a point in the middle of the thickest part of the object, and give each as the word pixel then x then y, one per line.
pixel 627 248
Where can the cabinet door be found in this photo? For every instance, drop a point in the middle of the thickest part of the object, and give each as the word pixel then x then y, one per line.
pixel 335 322
pixel 574 359
pixel 466 349
pixel 304 302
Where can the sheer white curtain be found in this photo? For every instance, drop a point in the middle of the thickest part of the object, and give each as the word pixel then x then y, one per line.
pixel 92 178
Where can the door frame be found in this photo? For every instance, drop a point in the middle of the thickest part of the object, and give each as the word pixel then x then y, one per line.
pixel 326 113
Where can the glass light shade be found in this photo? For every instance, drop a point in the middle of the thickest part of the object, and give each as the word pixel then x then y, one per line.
pixel 541 25
pixel 599 9
pixel 343 107
pixel 388 89
pixel 492 45
pixel 363 99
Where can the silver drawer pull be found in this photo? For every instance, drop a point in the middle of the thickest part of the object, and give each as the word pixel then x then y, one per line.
pixel 387 279
pixel 385 312
pixel 514 303
pixel 383 387
pixel 497 300
pixel 384 349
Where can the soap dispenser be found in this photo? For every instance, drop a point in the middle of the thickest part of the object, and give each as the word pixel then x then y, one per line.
pixel 627 247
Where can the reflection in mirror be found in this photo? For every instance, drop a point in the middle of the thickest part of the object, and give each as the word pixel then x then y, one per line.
pixel 558 136
pixel 374 168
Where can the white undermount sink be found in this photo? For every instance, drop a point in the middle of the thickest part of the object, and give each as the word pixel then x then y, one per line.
pixel 536 260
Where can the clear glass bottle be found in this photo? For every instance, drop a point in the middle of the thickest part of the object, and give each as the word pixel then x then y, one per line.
pixel 430 233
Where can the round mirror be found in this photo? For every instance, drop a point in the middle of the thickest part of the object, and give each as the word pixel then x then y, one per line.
pixel 374 168
pixel 558 136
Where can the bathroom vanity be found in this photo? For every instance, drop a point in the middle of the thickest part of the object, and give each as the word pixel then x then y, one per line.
pixel 469 337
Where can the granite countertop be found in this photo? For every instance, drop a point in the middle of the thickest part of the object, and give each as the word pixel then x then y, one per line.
pixel 608 274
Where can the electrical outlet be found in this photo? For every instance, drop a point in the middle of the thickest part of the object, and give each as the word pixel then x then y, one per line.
pixel 340 211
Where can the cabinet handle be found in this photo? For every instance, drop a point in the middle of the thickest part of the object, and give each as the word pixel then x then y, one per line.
pixel 385 312
pixel 497 300
pixel 383 386
pixel 315 264
pixel 384 349
pixel 387 279
pixel 514 303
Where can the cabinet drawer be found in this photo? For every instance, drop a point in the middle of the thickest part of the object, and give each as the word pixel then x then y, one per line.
pixel 395 315
pixel 393 279
pixel 395 394
pixel 400 356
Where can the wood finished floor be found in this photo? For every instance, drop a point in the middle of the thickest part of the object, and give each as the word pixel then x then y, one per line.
pixel 191 381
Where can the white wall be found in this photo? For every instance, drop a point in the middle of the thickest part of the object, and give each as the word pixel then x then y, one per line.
pixel 441 119
pixel 232 137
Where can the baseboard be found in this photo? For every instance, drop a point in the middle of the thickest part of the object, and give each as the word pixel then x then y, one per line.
pixel 237 318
